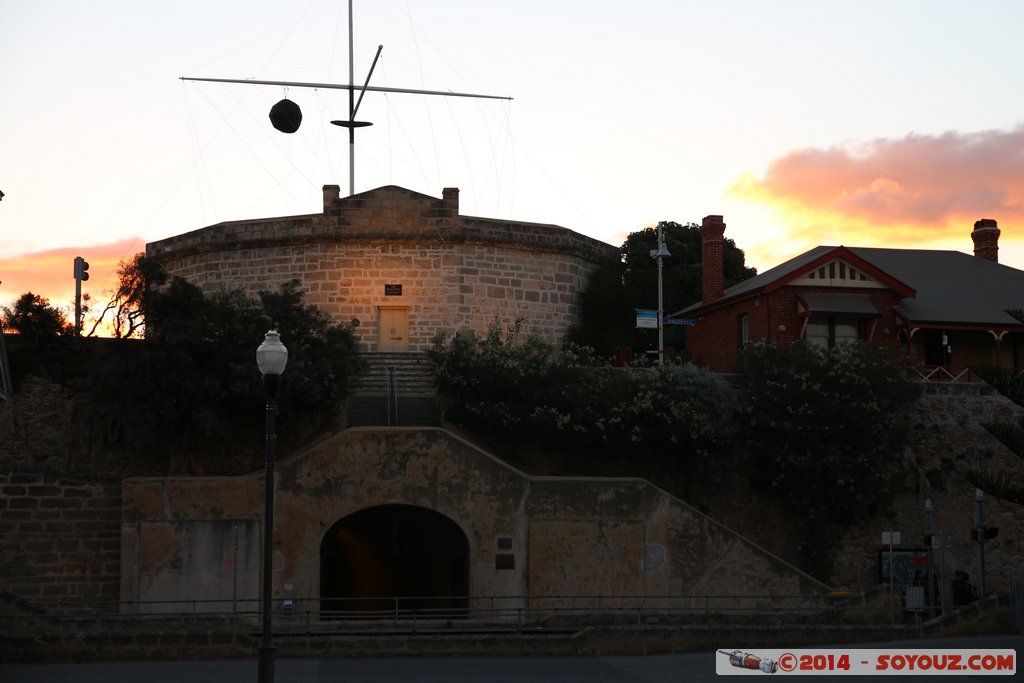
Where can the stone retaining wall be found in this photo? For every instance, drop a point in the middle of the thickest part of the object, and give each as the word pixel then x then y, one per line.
pixel 155 639
pixel 947 438
pixel 60 541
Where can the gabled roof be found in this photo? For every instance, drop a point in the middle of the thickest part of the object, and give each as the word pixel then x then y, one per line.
pixel 784 273
pixel 952 287
pixel 937 286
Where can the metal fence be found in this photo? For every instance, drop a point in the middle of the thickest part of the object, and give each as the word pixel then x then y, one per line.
pixel 508 612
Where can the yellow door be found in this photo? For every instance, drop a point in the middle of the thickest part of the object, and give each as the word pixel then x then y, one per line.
pixel 393 329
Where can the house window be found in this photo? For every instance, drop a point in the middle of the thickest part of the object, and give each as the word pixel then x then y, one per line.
pixel 830 332
pixel 743 330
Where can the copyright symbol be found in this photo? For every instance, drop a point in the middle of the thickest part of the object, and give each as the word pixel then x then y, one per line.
pixel 787 662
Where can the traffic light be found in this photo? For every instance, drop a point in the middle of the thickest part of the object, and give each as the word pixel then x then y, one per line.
pixel 81 269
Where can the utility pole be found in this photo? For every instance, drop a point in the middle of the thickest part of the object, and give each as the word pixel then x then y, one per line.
pixel 660 253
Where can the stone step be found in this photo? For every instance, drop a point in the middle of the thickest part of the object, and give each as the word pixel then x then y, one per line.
pixel 408 411
pixel 410 372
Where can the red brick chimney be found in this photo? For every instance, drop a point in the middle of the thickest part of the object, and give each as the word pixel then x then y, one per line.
pixel 986 239
pixel 712 268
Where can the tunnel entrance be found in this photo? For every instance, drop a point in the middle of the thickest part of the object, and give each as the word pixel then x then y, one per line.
pixel 391 557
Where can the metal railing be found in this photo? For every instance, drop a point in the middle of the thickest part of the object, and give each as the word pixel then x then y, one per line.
pixel 940 373
pixel 392 396
pixel 505 613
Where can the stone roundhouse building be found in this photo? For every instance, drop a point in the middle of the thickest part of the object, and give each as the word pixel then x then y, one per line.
pixel 405 265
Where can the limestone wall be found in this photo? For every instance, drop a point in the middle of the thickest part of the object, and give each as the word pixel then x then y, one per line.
pixel 60 542
pixel 565 536
pixel 947 438
pixel 36 428
pixel 392 248
pixel 43 514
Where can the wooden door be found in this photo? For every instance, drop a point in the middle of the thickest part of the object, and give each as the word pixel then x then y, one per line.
pixel 393 329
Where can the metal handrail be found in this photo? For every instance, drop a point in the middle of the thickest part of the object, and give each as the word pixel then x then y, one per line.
pixel 392 396
pixel 502 608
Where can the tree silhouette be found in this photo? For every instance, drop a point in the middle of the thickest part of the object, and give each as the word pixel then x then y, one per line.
pixel 615 290
pixel 34 317
pixel 137 278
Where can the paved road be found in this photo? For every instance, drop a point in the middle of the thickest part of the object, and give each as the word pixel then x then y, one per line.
pixel 651 669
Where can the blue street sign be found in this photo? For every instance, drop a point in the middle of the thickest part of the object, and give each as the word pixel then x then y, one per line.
pixel 646 318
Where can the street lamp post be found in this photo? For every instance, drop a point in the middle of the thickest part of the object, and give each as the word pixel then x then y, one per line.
pixel 271 357
pixel 660 254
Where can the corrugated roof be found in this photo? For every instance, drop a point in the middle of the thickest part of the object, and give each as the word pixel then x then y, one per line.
pixel 952 287
pixel 767 277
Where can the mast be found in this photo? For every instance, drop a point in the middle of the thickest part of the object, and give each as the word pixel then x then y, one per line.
pixel 353 104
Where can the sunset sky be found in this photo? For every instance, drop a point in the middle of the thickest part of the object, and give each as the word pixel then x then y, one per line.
pixel 882 124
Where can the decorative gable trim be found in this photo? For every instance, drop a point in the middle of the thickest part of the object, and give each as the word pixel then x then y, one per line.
pixel 837 273
pixel 843 255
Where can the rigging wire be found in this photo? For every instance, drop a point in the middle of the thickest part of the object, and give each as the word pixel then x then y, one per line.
pixel 465 156
pixel 426 105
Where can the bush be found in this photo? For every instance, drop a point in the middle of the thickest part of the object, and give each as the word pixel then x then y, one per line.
pixel 192 386
pixel 524 390
pixel 825 428
pixel 1008 382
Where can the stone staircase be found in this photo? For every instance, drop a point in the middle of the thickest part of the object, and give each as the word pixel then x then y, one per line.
pixel 395 390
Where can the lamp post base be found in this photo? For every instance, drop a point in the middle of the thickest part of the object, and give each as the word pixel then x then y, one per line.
pixel 266 666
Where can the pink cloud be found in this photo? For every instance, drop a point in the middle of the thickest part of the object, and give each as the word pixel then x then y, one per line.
pixel 933 184
pixel 50 273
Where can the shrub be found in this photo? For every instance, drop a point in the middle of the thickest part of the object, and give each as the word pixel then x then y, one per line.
pixel 825 428
pixel 525 390
pixel 192 386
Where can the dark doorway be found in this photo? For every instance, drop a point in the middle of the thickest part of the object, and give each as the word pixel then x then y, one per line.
pixel 395 557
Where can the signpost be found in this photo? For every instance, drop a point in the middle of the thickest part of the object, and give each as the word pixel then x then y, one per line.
pixel 646 319
pixel 891 538
pixel 943 541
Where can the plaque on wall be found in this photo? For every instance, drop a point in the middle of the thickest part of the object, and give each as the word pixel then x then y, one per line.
pixel 392 290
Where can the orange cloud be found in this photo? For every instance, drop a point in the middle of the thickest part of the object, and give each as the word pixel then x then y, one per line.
pixel 50 273
pixel 897 192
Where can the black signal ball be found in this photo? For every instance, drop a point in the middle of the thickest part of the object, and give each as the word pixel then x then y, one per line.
pixel 286 116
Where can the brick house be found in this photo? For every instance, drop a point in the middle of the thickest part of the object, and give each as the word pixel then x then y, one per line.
pixel 398 265
pixel 947 310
